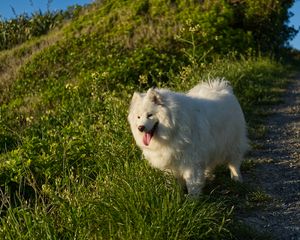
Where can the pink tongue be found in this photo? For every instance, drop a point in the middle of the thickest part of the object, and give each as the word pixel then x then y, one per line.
pixel 147 138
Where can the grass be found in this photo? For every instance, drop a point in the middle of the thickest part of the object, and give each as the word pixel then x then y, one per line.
pixel 69 167
pixel 76 155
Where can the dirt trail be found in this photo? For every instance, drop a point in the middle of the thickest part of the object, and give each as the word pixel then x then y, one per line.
pixel 278 169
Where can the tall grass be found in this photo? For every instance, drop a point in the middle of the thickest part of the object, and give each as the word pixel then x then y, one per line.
pixel 87 178
pixel 127 207
pixel 25 27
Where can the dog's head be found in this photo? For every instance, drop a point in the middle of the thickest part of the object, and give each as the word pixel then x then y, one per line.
pixel 146 115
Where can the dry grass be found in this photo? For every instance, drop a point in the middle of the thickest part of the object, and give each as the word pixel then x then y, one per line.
pixel 12 60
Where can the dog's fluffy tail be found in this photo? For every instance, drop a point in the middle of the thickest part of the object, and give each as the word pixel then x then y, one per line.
pixel 213 85
pixel 219 84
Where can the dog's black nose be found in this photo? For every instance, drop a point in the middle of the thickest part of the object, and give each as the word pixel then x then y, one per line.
pixel 141 128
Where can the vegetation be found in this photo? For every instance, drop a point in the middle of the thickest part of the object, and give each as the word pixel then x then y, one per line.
pixel 69 167
pixel 24 27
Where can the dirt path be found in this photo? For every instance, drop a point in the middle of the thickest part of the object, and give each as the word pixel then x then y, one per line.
pixel 278 169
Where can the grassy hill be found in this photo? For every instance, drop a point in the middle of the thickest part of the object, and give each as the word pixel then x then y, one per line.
pixel 69 168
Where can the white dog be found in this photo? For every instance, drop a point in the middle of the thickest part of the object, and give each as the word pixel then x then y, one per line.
pixel 189 134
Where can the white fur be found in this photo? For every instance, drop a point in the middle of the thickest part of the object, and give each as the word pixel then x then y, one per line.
pixel 195 131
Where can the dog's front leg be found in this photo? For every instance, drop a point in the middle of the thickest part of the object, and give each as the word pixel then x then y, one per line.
pixel 194 181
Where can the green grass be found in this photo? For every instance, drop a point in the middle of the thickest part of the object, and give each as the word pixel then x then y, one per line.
pixel 71 147
pixel 69 167
pixel 125 207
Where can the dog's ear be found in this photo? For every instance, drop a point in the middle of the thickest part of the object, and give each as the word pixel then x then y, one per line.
pixel 154 96
pixel 136 96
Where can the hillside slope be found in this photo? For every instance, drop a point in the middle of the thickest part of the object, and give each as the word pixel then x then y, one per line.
pixel 69 167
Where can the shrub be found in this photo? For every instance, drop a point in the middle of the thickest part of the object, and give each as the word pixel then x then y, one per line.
pixel 25 27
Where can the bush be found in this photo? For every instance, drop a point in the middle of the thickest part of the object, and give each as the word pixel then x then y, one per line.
pixel 25 27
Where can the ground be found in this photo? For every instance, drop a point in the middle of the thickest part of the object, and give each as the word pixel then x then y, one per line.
pixel 277 171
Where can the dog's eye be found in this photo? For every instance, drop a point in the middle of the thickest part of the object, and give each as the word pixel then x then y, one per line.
pixel 149 115
pixel 139 117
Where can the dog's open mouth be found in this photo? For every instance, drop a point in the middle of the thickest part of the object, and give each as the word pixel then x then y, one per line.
pixel 148 135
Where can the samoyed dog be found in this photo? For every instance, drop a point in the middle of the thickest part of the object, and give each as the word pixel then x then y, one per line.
pixel 189 134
